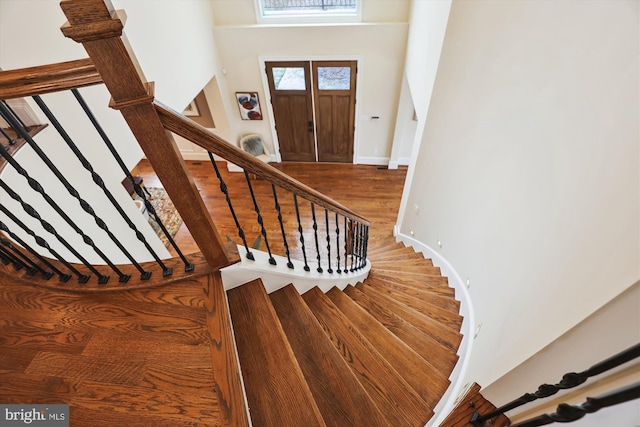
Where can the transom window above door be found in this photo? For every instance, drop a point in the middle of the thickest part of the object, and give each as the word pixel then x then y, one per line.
pixel 308 11
pixel 329 78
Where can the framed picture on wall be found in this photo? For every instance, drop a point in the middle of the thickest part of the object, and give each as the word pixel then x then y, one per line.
pixel 249 105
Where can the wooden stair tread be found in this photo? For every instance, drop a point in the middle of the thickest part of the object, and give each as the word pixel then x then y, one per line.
pixel 385 248
pixel 441 333
pixel 401 261
pixel 402 250
pixel 425 294
pixel 397 251
pixel 444 316
pixel 425 270
pixel 436 283
pixel 431 350
pixel 339 395
pixel 277 392
pixel 395 398
pixel 423 377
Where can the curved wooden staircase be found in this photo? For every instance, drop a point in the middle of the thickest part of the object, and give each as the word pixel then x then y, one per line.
pixel 377 354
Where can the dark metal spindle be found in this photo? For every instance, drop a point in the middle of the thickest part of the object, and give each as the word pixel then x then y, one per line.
pixel 352 242
pixel 225 191
pixel 366 246
pixel 37 187
pixel 361 248
pixel 263 230
pixel 143 193
pixel 355 246
pixel 97 179
pixel 166 271
pixel 315 234
pixel 339 270
pixel 284 237
pixel 300 230
pixel 50 229
pixel 27 261
pixel 346 245
pixel 326 218
pixel 41 242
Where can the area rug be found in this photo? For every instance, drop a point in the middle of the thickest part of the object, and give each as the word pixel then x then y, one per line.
pixel 166 213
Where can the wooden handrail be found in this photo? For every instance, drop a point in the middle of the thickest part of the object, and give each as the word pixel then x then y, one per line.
pixel 204 138
pixel 42 79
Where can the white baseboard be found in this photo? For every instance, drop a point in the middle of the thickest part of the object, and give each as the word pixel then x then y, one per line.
pixel 400 161
pixel 381 161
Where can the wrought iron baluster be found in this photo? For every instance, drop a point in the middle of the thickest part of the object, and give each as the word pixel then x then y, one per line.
pixel 97 179
pixel 326 218
pixel 339 270
pixel 358 243
pixel 352 243
pixel 82 278
pixel 300 230
pixel 361 249
pixel 284 237
pixel 41 242
pixel 143 193
pixel 366 246
pixel 26 260
pixel 346 236
pixel 37 187
pixel 315 234
pixel 263 230
pixel 225 191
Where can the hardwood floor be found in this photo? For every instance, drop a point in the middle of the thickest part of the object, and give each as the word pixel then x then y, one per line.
pixel 369 190
pixel 142 357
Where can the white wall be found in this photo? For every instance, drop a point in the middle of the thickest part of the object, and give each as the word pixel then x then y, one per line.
pixel 379 47
pixel 424 45
pixel 173 41
pixel 528 169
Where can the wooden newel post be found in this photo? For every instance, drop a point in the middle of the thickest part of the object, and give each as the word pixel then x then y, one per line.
pixel 98 27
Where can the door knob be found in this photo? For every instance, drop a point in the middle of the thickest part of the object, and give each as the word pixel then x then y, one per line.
pixel 310 124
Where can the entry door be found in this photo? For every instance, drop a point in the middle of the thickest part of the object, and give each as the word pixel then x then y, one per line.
pixel 290 88
pixel 334 91
pixel 314 125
